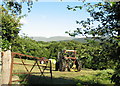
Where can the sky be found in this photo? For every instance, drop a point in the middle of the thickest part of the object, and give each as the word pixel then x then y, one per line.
pixel 48 19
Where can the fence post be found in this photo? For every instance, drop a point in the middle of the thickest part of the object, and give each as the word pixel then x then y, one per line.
pixel 50 69
pixel 6 67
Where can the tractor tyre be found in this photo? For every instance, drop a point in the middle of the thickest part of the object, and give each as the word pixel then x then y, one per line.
pixel 70 64
pixel 62 65
pixel 57 66
pixel 78 65
pixel 68 68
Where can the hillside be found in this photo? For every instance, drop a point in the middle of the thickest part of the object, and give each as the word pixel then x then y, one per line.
pixel 54 38
pixel 58 38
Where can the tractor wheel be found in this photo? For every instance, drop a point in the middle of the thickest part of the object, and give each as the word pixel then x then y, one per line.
pixel 78 65
pixel 69 67
pixel 70 64
pixel 57 66
pixel 62 65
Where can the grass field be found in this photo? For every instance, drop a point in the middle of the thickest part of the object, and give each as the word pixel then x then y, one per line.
pixel 86 77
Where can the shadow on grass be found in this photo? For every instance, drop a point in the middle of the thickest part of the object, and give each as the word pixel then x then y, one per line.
pixel 47 81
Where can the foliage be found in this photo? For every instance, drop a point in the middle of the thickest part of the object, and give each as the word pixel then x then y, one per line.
pixel 100 78
pixel 10 26
pixel 89 55
pixel 15 7
pixel 106 15
pixel 11 13
pixel 116 76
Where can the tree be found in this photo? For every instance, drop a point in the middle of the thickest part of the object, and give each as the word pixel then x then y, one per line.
pixel 10 15
pixel 15 7
pixel 107 15
pixel 10 26
pixel 9 29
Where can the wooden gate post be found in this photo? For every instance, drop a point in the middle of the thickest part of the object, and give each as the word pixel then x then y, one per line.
pixel 6 67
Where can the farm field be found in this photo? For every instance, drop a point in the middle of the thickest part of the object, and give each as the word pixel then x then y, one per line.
pixel 86 77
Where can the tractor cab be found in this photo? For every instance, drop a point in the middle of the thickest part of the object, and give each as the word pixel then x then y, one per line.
pixel 69 54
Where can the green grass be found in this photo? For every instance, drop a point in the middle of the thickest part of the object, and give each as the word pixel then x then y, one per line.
pixel 82 78
pixel 101 77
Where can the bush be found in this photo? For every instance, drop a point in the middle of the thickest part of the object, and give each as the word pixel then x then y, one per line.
pixel 103 77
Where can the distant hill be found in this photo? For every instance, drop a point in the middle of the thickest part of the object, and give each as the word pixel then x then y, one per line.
pixel 39 38
pixel 82 40
pixel 54 38
pixel 58 38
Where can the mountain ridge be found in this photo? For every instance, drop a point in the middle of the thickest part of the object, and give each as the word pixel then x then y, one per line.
pixel 57 38
pixel 54 38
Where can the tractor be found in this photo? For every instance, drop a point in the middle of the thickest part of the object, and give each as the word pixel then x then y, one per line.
pixel 67 60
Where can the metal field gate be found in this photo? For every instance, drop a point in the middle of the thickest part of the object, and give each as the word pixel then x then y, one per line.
pixel 28 66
